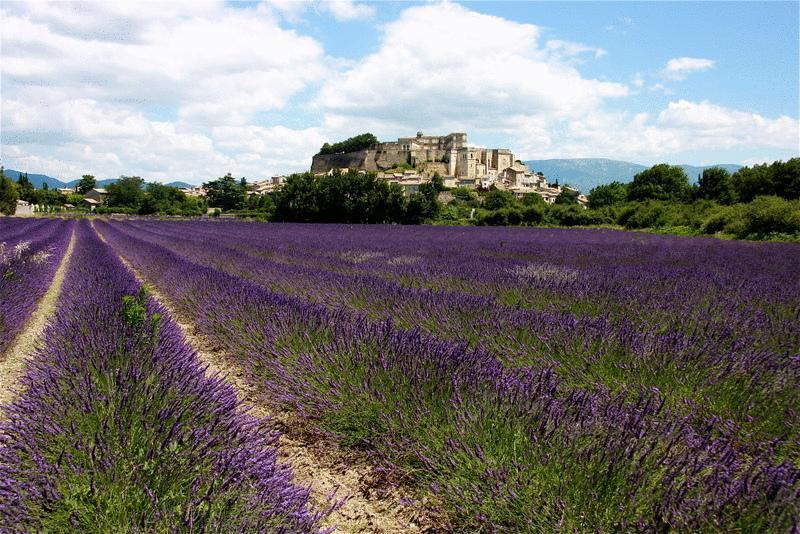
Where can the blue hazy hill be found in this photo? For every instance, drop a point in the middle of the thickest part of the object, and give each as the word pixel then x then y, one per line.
pixel 53 183
pixel 586 173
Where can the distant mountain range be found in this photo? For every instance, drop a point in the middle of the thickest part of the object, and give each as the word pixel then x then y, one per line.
pixel 54 183
pixel 586 173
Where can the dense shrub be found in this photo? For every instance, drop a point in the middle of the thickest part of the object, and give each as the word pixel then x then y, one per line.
pixel 497 199
pixel 660 182
pixel 573 215
pixel 353 144
pixel 764 216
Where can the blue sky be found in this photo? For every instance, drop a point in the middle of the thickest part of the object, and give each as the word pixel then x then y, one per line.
pixel 191 90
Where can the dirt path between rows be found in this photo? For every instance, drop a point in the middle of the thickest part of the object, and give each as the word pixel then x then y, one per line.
pixel 316 463
pixel 12 367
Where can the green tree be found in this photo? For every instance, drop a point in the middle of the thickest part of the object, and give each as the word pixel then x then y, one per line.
pixel 533 199
pixel 423 206
pixel 715 184
pixel 76 199
pixel 766 215
pixel 567 198
pixel 25 188
pixel 297 199
pixel 126 192
pixel 660 182
pixel 779 179
pixel 86 184
pixel 49 197
pixel 353 144
pixel 438 182
pixel 786 178
pixel 465 196
pixel 498 199
pixel 165 199
pixel 607 195
pixel 226 193
pixel 8 194
pixel 341 198
pixel 750 182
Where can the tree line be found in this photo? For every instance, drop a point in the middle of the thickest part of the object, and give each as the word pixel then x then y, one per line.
pixel 128 195
pixel 758 202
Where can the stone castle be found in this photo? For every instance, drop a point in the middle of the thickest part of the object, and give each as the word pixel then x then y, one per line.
pixel 459 164
pixel 449 155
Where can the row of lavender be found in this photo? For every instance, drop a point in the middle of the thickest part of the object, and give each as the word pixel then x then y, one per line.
pixel 686 280
pixel 30 252
pixel 119 429
pixel 736 361
pixel 504 447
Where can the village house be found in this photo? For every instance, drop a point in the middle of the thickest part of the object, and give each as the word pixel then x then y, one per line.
pixel 264 187
pixel 95 197
pixel 194 192
pixel 97 194
pixel 23 209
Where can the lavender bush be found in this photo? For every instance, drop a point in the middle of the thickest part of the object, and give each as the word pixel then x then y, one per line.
pixel 538 418
pixel 728 347
pixel 30 252
pixel 119 429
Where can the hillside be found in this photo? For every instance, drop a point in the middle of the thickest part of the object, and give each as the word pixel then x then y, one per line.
pixel 586 173
pixel 38 179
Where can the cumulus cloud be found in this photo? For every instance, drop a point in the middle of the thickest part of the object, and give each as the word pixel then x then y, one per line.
pixel 683 126
pixel 348 10
pixel 679 68
pixel 566 50
pixel 341 10
pixel 444 64
pixel 120 77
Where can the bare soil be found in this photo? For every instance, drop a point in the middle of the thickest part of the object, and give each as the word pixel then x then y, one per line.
pixel 12 366
pixel 371 505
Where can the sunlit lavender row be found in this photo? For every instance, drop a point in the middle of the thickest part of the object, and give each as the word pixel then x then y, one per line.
pixel 523 379
pixel 30 252
pixel 118 428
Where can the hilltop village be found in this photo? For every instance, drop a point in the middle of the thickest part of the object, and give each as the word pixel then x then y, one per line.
pixel 408 162
pixel 412 161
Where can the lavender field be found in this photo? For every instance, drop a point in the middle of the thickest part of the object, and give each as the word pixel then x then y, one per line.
pixel 506 379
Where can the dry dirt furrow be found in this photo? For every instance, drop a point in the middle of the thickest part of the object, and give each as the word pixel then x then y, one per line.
pixel 318 464
pixel 12 367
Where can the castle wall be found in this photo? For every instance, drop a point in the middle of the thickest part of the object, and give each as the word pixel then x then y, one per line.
pixel 386 159
pixel 362 159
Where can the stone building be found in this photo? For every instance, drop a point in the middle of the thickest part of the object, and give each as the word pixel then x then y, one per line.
pixel 98 194
pixel 433 153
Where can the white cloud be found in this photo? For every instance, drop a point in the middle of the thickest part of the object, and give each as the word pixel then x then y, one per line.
pixel 619 25
pixel 132 87
pixel 565 50
pixel 344 10
pixel 443 66
pixel 278 147
pixel 679 68
pixel 681 127
pixel 660 87
pixel 341 10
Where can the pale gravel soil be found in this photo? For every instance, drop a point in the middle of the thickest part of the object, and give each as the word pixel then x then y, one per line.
pixel 13 363
pixel 316 462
